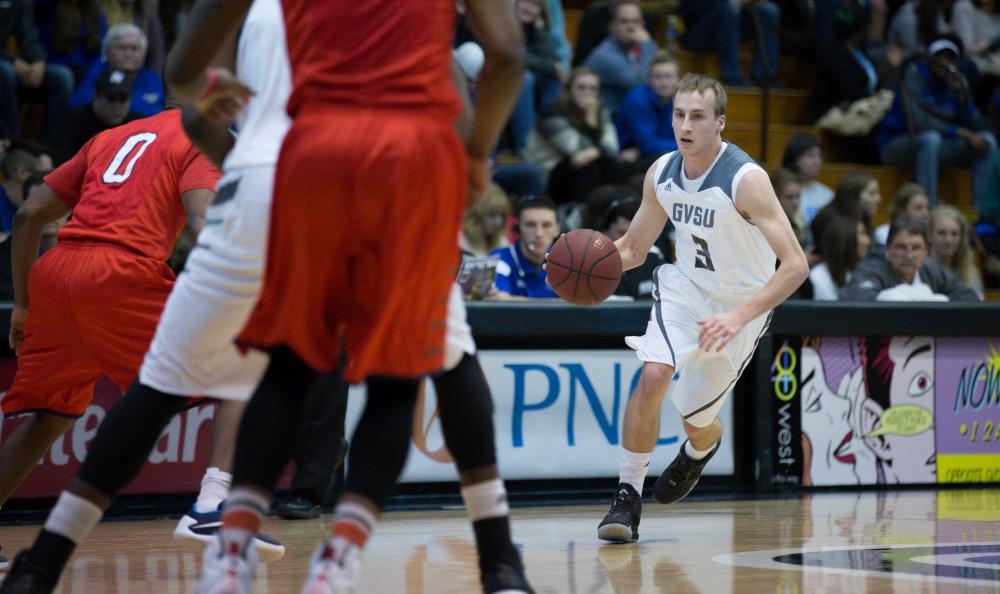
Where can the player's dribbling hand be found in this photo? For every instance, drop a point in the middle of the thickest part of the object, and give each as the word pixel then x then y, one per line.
pixel 224 96
pixel 718 330
pixel 16 337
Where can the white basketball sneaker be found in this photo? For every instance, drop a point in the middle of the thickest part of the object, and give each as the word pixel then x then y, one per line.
pixel 227 572
pixel 331 572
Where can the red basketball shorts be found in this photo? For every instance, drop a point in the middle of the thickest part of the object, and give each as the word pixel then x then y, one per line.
pixel 93 311
pixel 362 248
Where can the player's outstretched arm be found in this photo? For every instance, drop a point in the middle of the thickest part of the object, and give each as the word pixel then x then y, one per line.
pixel 646 226
pixel 42 207
pixel 755 199
pixel 207 30
pixel 499 83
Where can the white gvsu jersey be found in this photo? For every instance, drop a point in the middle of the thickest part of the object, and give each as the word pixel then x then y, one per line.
pixel 262 64
pixel 722 253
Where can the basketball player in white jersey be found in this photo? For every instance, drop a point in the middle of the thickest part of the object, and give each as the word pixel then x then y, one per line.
pixel 711 306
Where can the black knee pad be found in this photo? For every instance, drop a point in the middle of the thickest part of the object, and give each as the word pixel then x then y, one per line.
pixel 127 435
pixel 466 409
pixel 381 440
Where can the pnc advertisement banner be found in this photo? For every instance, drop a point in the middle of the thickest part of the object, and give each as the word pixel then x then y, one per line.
pixel 558 414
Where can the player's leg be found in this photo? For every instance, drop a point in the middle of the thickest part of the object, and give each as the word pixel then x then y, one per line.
pixel 117 453
pixel 378 453
pixel 699 395
pixel 466 409
pixel 639 434
pixel 671 335
pixel 264 446
pixel 26 445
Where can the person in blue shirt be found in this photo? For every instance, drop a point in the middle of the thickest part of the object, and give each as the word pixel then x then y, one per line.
pixel 19 163
pixel 124 48
pixel 623 58
pixel 958 138
pixel 645 120
pixel 520 273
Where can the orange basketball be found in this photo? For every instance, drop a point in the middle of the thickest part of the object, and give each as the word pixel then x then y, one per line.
pixel 584 267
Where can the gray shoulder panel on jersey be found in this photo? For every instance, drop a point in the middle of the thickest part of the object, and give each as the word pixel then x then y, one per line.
pixel 725 169
pixel 672 169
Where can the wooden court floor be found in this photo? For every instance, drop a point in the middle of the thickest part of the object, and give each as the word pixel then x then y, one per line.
pixel 898 542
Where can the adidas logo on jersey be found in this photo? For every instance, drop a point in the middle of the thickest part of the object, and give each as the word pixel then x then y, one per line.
pixel 669 185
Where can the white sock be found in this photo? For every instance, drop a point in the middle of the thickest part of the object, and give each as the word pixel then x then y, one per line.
pixel 632 468
pixel 73 517
pixel 214 489
pixel 696 454
pixel 487 499
pixel 353 524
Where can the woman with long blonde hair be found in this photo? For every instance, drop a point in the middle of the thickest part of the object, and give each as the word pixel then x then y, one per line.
pixel 951 246
pixel 484 227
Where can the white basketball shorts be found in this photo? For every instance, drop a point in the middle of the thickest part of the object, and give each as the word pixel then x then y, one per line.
pixel 702 379
pixel 192 353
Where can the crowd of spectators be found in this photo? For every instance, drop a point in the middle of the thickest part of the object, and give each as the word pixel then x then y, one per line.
pixel 918 81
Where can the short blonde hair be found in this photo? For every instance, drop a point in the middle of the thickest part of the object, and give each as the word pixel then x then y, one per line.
pixel 699 83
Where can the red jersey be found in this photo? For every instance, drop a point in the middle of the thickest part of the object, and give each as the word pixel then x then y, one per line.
pixel 372 53
pixel 125 185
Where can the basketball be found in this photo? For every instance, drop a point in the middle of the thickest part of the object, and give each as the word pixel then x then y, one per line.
pixel 584 267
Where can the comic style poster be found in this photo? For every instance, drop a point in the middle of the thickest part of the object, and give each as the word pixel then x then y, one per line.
pixel 886 410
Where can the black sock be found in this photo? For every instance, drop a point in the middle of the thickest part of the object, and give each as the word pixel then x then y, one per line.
pixel 51 552
pixel 493 542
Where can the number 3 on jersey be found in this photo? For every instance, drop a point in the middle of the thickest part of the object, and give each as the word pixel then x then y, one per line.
pixel 134 146
pixel 702 258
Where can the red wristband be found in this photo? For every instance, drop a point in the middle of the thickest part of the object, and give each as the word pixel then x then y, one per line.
pixel 211 79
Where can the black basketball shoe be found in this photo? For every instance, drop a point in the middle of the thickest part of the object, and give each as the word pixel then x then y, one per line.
pixel 681 476
pixel 27 577
pixel 506 577
pixel 622 522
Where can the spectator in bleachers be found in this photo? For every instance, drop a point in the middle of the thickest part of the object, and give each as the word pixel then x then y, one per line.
pixel 73 37
pixel 845 73
pixel 517 179
pixel 27 74
pixel 593 28
pixel 575 142
pixel 622 60
pixel 645 120
pixel 19 163
pixel 543 74
pixel 977 24
pixel 48 241
pixel 520 273
pixel 857 197
pixel 911 199
pixel 905 274
pixel 917 23
pixel 110 108
pixel 988 228
pixel 484 224
pixel 845 243
pixel 143 14
pixel 961 139
pixel 124 48
pixel 722 25
pixel 951 246
pixel 804 157
pixel 788 188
